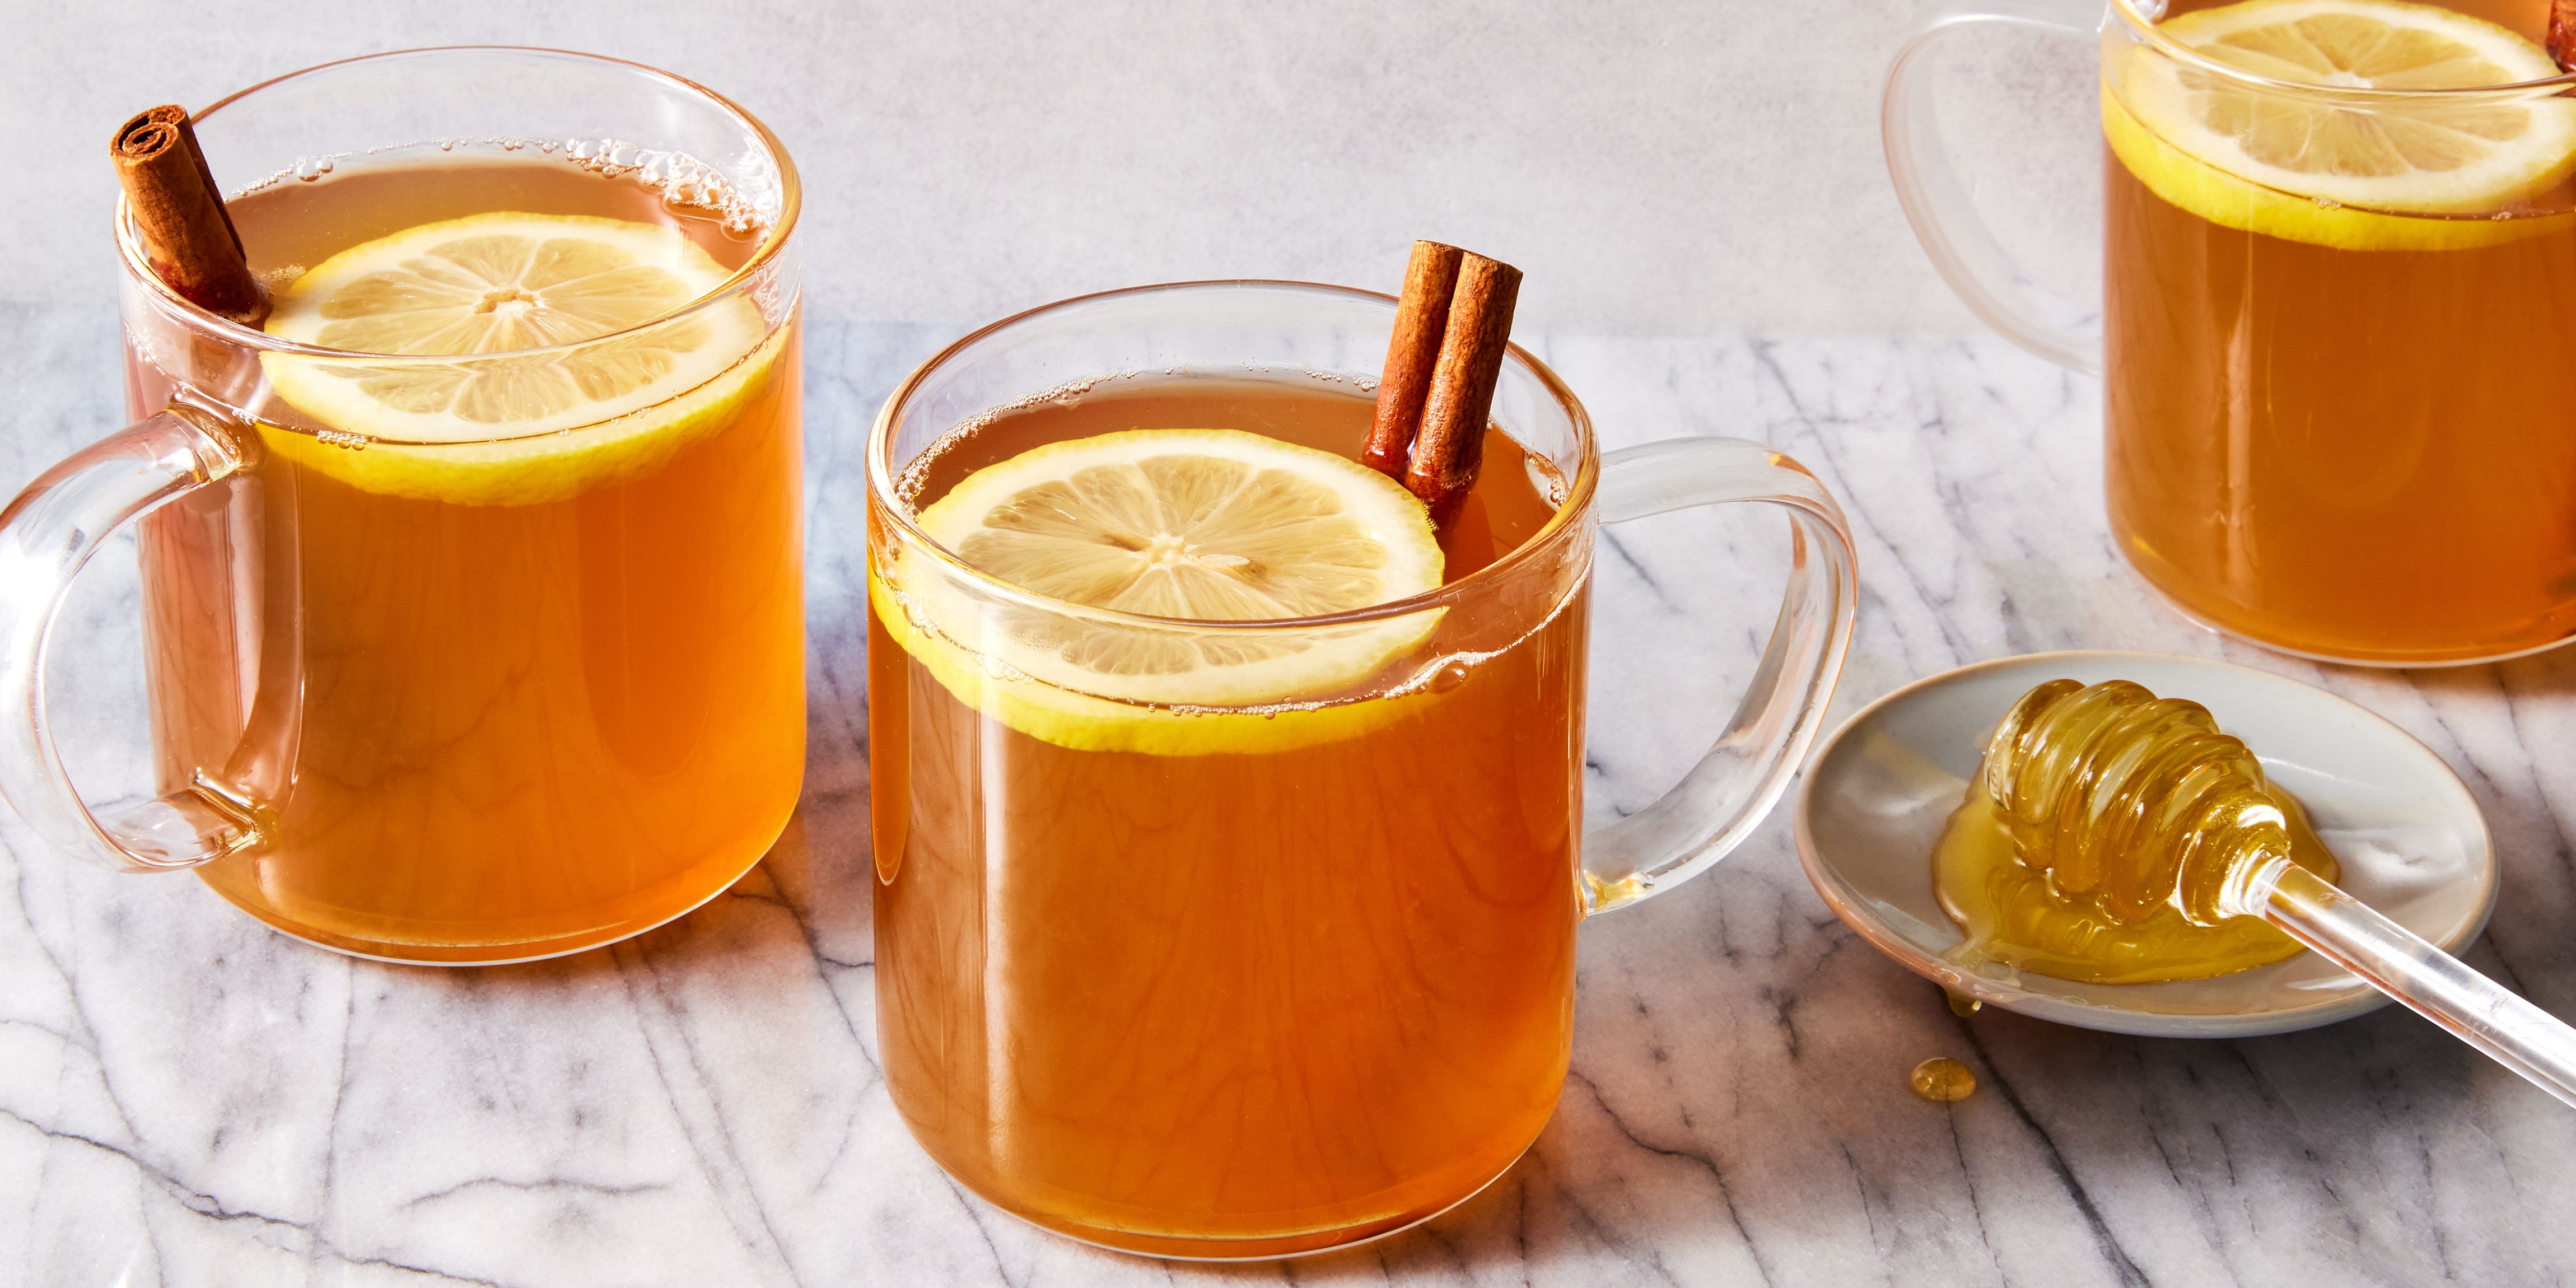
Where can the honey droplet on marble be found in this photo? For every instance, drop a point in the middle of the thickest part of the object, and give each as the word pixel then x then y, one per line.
pixel 1943 1080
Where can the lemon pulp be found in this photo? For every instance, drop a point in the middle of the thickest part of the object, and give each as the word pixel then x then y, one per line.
pixel 534 364
pixel 1211 525
pixel 2351 172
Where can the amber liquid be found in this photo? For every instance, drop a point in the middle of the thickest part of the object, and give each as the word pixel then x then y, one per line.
pixel 2360 454
pixel 1241 1004
pixel 483 732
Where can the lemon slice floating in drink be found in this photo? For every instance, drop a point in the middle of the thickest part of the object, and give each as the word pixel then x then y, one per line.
pixel 2346 172
pixel 1213 525
pixel 555 375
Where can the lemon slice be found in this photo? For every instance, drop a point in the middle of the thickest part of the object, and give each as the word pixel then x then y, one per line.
pixel 2323 171
pixel 1206 524
pixel 1209 524
pixel 494 423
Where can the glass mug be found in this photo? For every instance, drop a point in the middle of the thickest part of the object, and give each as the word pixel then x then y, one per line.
pixel 445 701
pixel 1247 982
pixel 2337 431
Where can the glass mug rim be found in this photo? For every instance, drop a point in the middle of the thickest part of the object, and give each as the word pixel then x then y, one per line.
pixel 137 266
pixel 2146 31
pixel 1569 515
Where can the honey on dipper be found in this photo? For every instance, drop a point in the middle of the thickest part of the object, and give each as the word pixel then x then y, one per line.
pixel 2099 835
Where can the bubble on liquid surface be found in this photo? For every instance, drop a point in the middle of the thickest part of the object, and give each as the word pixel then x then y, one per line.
pixel 744 207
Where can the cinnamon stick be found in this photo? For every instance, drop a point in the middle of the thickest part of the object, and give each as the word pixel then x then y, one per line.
pixel 2562 33
pixel 1421 320
pixel 187 234
pixel 1450 446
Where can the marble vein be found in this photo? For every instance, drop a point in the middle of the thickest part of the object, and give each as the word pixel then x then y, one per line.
pixel 188 1099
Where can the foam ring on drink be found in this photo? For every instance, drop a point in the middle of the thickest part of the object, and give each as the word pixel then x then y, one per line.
pixel 528 410
pixel 2374 177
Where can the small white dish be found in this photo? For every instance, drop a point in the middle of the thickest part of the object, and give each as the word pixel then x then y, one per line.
pixel 2411 840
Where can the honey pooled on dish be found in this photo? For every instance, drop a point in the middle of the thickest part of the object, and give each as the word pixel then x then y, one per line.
pixel 2100 832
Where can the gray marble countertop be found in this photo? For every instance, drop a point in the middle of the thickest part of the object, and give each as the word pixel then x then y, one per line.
pixel 187 1098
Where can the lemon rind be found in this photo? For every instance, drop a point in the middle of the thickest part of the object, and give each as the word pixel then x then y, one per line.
pixel 424 456
pixel 327 389
pixel 1083 722
pixel 296 316
pixel 536 469
pixel 1329 659
pixel 2150 126
pixel 2186 181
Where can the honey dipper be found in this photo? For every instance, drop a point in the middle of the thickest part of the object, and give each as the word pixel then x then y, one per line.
pixel 2141 803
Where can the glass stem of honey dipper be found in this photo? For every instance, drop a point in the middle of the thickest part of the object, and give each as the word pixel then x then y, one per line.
pixel 2136 804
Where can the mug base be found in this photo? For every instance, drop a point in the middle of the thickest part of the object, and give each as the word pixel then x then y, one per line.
pixel 1302 1243
pixel 498 954
pixel 2420 659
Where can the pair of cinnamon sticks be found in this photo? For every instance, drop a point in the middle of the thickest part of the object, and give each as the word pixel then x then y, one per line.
pixel 1452 329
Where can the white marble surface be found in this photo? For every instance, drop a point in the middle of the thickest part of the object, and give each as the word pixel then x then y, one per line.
pixel 186 1098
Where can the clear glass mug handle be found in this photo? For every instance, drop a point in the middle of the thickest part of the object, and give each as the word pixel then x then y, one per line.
pixel 1988 280
pixel 46 534
pixel 1727 794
